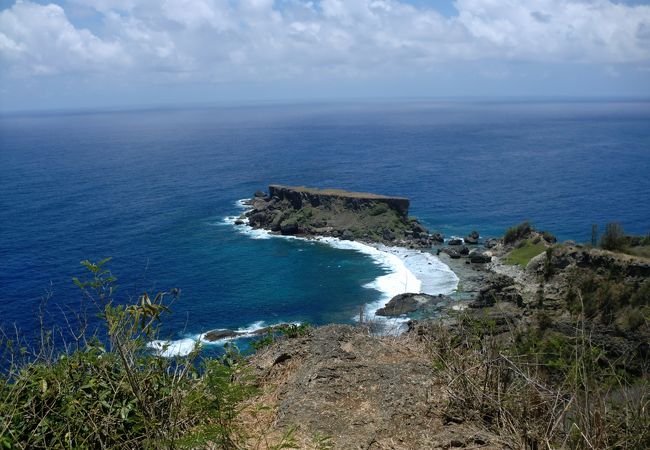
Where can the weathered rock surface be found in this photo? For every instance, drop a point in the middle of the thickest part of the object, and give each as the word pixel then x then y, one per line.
pixel 362 391
pixel 347 215
pixel 216 335
pixel 497 288
pixel 411 302
pixel 472 238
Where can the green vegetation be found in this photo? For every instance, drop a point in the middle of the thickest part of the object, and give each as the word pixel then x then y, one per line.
pixel 614 239
pixel 525 253
pixel 538 388
pixel 517 232
pixel 116 393
pixel 290 331
pixel 610 299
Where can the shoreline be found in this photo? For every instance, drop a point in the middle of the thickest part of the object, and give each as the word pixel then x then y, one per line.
pixel 401 262
pixel 408 270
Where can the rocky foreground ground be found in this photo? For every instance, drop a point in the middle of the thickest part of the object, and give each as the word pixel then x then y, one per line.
pixel 362 392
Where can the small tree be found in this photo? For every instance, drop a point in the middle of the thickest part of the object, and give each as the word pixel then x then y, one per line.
pixel 594 235
pixel 614 237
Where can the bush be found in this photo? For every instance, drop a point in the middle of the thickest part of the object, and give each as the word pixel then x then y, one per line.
pixel 614 237
pixel 119 393
pixel 548 390
pixel 517 232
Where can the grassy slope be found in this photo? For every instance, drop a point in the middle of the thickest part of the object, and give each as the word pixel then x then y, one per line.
pixel 524 254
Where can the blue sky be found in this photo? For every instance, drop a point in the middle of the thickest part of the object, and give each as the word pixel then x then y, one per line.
pixel 112 53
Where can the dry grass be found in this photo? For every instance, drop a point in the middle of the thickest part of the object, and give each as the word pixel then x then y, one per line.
pixel 511 393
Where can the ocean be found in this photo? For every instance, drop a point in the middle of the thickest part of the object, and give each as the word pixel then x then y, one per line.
pixel 156 190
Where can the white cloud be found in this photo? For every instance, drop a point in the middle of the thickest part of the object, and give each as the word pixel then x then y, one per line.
pixel 37 39
pixel 263 39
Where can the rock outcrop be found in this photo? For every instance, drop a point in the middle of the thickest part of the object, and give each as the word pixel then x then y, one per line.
pixel 410 302
pixel 361 391
pixel 347 215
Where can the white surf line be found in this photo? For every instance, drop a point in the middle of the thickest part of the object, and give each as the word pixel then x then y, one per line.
pixel 184 346
pixel 412 271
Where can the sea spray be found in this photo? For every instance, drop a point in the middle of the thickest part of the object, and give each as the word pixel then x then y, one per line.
pixel 409 270
pixel 184 346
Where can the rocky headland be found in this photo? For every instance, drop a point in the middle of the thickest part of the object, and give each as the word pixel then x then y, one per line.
pixel 310 212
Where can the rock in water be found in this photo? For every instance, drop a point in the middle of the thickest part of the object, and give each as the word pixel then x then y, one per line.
pixel 410 302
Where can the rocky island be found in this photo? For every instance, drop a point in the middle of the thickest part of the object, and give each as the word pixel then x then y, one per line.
pixel 311 212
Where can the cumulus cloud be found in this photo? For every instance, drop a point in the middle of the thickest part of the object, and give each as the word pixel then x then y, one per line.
pixel 39 39
pixel 261 39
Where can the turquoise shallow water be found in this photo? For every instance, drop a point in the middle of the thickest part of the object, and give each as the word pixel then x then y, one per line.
pixel 152 188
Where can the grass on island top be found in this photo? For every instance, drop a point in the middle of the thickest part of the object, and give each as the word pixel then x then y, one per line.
pixel 524 254
pixel 335 192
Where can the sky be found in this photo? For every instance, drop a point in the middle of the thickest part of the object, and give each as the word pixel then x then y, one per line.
pixel 110 53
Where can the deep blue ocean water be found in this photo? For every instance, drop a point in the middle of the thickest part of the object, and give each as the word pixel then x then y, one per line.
pixel 150 188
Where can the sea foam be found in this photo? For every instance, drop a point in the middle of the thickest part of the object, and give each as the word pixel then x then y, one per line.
pixel 184 346
pixel 409 270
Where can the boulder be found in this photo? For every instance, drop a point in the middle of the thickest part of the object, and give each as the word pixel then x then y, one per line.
pixel 388 235
pixel 437 238
pixel 419 228
pixel 470 240
pixel 347 235
pixel 480 258
pixel 258 219
pixel 239 222
pixel 289 226
pixel 277 220
pixel 216 335
pixel 455 241
pixel 259 194
pixel 410 302
pixel 497 288
pixel 474 235
pixel 491 243
pixel 454 254
pixel 464 251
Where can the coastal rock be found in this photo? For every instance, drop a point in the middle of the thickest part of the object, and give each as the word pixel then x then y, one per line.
pixel 464 251
pixel 216 335
pixel 438 238
pixel 497 288
pixel 277 220
pixel 289 227
pixel 347 235
pixel 491 243
pixel 259 194
pixel 332 212
pixel 410 302
pixel 455 241
pixel 472 238
pixel 388 235
pixel 480 258
pixel 298 196
pixel 450 251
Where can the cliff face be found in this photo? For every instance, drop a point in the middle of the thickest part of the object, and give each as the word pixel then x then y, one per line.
pixel 302 196
pixel 331 212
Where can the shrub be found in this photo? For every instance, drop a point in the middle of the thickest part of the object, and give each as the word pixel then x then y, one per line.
pixel 119 393
pixel 517 232
pixel 548 390
pixel 614 237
